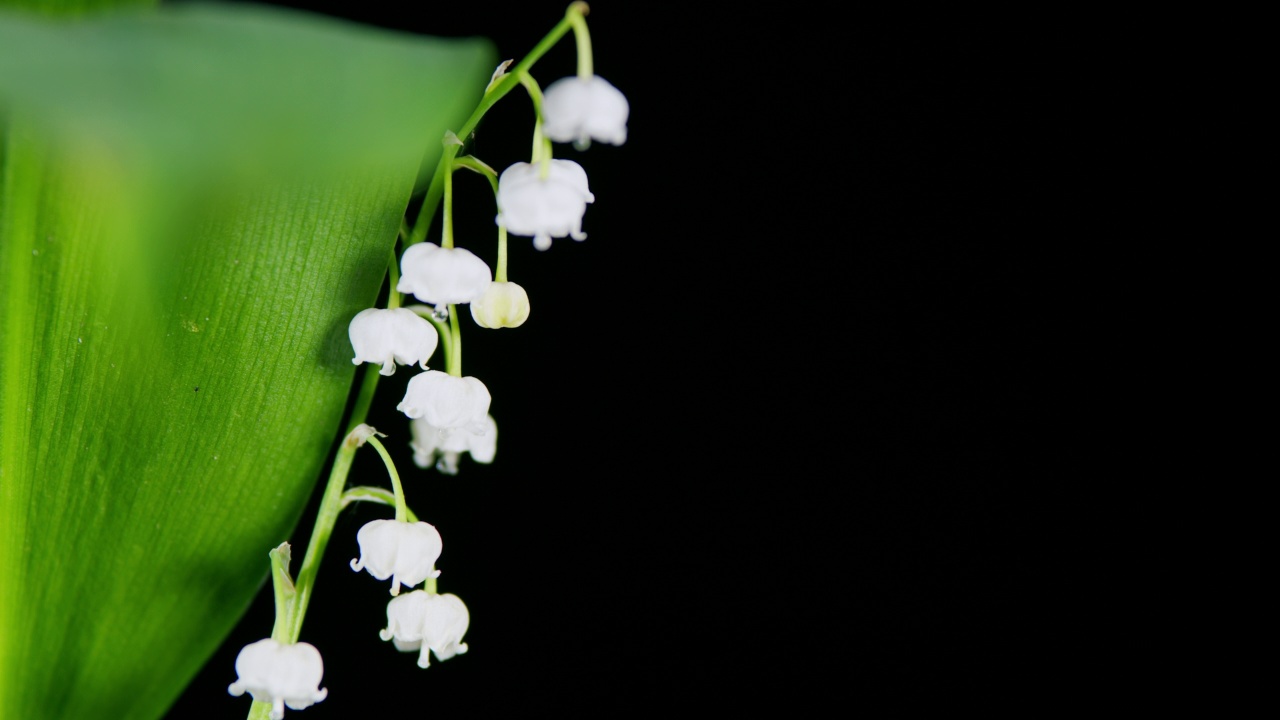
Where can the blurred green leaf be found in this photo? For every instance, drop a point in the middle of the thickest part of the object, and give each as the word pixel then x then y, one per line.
pixel 194 201
pixel 72 7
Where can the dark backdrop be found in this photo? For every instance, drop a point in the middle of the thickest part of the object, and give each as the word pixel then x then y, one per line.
pixel 778 430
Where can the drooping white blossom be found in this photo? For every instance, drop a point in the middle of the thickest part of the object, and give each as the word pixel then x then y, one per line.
pixel 403 551
pixel 425 622
pixel 544 207
pixel 503 305
pixel 446 402
pixel 442 448
pixel 280 674
pixel 576 109
pixel 441 276
pixel 392 336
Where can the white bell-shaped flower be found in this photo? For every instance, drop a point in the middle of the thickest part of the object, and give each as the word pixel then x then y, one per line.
pixel 445 401
pixel 280 674
pixel 578 110
pixel 390 337
pixel 426 622
pixel 503 305
pixel 403 551
pixel 442 448
pixel 440 276
pixel 543 208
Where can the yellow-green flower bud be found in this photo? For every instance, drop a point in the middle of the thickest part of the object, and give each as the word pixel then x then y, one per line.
pixel 503 304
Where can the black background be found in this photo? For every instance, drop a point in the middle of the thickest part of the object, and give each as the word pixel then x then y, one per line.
pixel 779 430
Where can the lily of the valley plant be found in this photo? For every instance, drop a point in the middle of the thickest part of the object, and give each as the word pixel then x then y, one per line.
pixel 447 412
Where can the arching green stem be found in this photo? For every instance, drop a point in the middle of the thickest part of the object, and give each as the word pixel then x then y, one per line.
pixel 446 335
pixel 535 96
pixel 474 164
pixel 500 274
pixel 402 511
pixel 446 238
pixel 455 358
pixel 428 210
pixel 393 277
pixel 583 38
pixel 368 386
pixel 541 145
pixel 381 496
pixel 330 505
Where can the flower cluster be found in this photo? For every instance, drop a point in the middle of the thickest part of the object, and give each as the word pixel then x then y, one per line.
pixel 420 620
pixel 449 416
pixel 547 200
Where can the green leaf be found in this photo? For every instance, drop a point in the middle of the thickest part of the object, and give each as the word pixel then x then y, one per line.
pixel 72 7
pixel 194 202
